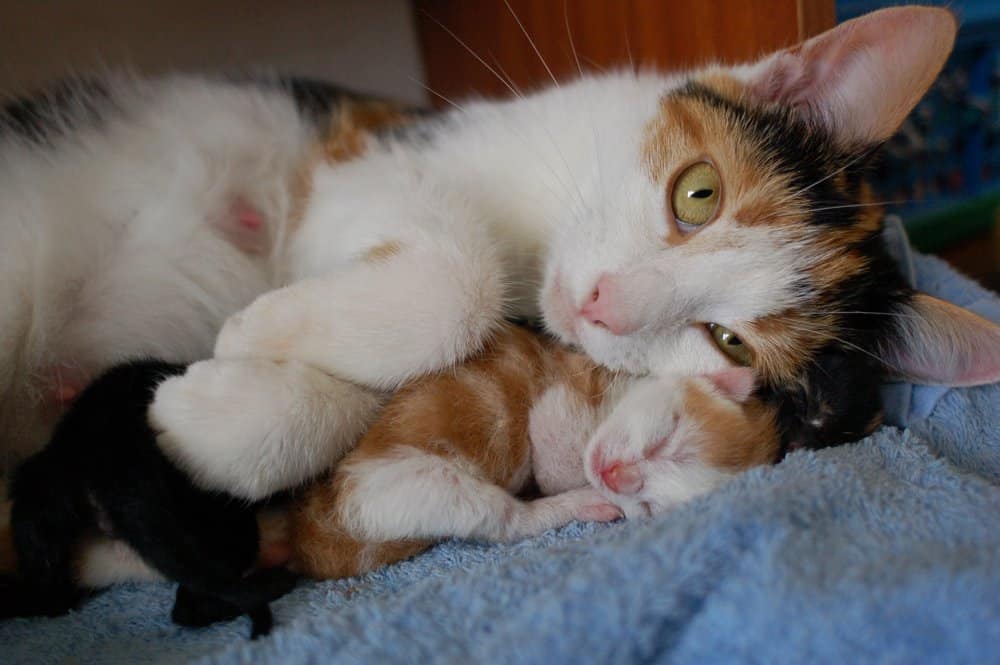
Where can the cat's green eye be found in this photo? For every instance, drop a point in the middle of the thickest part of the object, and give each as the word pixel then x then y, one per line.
pixel 730 344
pixel 696 194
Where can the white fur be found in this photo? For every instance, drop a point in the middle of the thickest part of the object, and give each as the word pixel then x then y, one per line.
pixel 648 428
pixel 421 495
pixel 105 561
pixel 108 236
pixel 258 425
pixel 559 425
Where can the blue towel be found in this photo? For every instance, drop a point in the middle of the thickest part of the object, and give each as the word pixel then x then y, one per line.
pixel 886 550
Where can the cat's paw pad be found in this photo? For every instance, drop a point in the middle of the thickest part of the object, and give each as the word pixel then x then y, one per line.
pixel 600 512
pixel 589 505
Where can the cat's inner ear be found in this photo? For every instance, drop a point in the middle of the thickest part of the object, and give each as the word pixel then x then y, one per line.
pixel 936 342
pixel 862 78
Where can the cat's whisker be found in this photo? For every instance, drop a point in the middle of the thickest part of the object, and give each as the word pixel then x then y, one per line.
pixel 803 326
pixel 863 313
pixel 510 79
pixel 569 35
pixel 514 91
pixel 863 155
pixel 628 49
pixel 809 211
pixel 471 52
pixel 531 41
pixel 450 102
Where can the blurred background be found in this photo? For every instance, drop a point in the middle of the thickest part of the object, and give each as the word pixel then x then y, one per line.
pixel 942 172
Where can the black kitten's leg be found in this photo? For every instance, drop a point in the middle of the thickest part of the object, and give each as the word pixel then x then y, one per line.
pixel 261 621
pixel 196 609
pixel 249 596
pixel 47 521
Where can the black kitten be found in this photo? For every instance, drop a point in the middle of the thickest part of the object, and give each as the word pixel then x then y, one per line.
pixel 103 470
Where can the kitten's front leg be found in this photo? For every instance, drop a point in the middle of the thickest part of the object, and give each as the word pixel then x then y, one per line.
pixel 408 493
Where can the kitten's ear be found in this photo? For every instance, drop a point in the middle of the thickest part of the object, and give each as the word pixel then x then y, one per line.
pixel 862 78
pixel 940 343
pixel 736 383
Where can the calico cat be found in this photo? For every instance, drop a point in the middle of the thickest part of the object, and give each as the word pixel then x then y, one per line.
pixel 103 471
pixel 664 224
pixel 449 454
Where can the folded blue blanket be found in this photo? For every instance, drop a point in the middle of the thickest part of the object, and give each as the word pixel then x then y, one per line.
pixel 887 550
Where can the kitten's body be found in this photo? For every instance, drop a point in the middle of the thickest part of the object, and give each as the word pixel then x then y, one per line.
pixel 449 454
pixel 103 473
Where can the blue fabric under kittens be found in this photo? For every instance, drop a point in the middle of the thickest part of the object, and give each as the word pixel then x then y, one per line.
pixel 885 550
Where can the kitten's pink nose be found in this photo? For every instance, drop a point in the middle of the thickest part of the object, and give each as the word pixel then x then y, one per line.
pixel 622 478
pixel 605 307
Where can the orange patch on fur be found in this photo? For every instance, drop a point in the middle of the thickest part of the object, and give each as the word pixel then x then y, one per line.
pixel 783 342
pixel 739 436
pixel 383 252
pixel 300 188
pixel 353 124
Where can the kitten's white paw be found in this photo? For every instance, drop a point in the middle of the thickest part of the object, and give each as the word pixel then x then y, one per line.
pixel 535 517
pixel 255 427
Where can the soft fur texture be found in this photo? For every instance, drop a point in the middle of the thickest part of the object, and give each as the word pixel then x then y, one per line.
pixel 158 209
pixel 104 472
pixel 450 453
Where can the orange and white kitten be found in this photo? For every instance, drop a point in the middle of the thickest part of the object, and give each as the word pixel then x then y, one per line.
pixel 451 453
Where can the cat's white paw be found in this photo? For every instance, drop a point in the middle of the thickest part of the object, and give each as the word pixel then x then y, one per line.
pixel 255 427
pixel 265 329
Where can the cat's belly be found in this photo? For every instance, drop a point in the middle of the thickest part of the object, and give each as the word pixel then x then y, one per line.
pixel 113 241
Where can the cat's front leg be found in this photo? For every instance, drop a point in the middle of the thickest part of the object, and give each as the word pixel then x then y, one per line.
pixel 402 310
pixel 255 427
pixel 289 390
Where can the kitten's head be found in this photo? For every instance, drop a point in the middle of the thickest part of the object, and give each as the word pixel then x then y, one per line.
pixel 744 233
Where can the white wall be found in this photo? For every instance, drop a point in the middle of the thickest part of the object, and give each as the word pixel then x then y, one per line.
pixel 366 44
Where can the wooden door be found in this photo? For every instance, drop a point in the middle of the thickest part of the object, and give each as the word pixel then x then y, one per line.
pixel 522 41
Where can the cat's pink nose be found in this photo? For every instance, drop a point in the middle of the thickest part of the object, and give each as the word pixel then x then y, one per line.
pixel 605 307
pixel 622 478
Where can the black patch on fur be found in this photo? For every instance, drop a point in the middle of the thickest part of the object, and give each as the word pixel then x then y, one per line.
pixel 804 152
pixel 103 465
pixel 61 109
pixel 839 387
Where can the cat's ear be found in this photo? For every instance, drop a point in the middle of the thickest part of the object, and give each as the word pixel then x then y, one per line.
pixel 939 343
pixel 862 78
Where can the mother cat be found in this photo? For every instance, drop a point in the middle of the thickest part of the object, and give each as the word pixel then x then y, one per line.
pixel 662 223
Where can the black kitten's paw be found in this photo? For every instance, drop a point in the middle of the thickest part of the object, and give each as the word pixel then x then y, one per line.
pixel 20 599
pixel 194 609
